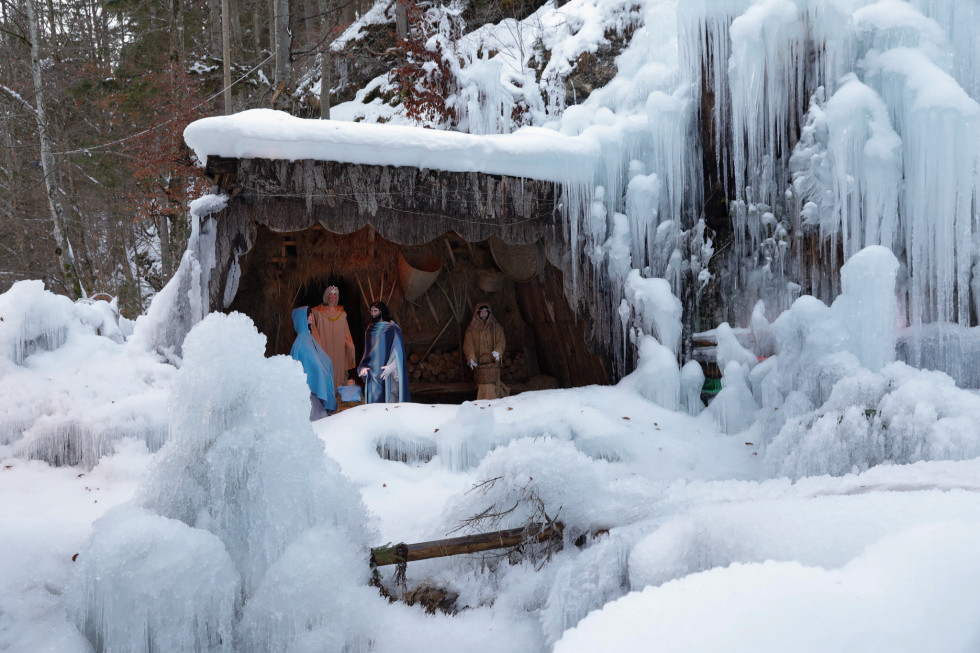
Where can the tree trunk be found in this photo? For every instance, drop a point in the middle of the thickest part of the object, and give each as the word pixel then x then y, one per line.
pixel 62 246
pixel 401 20
pixel 214 16
pixel 257 30
pixel 104 39
pixel 311 23
pixel 236 28
pixel 283 46
pixel 226 55
pixel 166 260
pixel 52 19
pixel 176 30
pixel 326 61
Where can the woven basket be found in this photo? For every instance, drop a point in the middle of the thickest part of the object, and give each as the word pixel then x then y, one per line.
pixel 486 373
pixel 519 262
pixel 417 272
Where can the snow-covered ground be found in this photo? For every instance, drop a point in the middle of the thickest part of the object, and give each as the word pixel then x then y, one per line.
pixel 250 527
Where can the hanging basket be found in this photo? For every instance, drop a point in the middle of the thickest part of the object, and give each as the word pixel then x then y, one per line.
pixel 490 281
pixel 521 263
pixel 417 271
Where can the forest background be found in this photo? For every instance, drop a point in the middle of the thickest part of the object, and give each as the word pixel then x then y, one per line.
pixel 94 96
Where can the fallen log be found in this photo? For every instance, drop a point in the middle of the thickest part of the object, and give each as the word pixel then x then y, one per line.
pixel 393 554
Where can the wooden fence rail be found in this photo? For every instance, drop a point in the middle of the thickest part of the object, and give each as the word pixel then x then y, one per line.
pixel 393 554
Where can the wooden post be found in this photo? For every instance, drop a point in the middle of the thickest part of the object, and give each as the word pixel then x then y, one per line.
pixel 393 554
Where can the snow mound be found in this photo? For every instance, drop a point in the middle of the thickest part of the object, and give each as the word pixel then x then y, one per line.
pixel 72 387
pixel 147 583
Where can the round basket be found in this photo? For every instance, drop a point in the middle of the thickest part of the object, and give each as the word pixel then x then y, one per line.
pixel 490 281
pixel 519 262
pixel 486 373
pixel 416 272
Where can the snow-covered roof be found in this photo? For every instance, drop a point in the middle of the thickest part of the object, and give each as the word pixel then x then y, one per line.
pixel 531 152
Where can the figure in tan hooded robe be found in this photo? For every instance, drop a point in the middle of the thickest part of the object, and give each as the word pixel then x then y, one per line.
pixel 485 343
pixel 331 331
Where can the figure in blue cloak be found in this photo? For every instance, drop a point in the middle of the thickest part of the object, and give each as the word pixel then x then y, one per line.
pixel 316 364
pixel 383 365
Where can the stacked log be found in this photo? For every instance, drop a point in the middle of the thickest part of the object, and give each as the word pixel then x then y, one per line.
pixel 449 367
pixel 513 368
pixel 438 367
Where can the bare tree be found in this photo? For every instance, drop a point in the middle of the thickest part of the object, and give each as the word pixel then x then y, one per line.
pixel 62 246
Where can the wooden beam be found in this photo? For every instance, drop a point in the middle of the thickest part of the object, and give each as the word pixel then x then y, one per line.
pixel 394 554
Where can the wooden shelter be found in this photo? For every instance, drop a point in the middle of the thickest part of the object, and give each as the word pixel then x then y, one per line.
pixel 430 243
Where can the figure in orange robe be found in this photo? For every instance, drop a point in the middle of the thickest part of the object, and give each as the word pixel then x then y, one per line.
pixel 333 334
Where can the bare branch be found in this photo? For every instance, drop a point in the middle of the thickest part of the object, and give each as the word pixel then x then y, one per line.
pixel 19 99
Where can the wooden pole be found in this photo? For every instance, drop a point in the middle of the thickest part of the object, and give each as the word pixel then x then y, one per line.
pixel 367 302
pixel 391 292
pixel 402 553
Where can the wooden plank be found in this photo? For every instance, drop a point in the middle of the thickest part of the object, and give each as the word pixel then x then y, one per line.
pixel 400 553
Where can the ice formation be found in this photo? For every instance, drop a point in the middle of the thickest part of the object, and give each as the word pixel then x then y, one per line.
pixel 184 300
pixel 692 382
pixel 656 376
pixel 148 583
pixel 244 472
pixel 74 413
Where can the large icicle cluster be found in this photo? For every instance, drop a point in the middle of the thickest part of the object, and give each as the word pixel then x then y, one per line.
pixel 243 488
pixel 835 401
